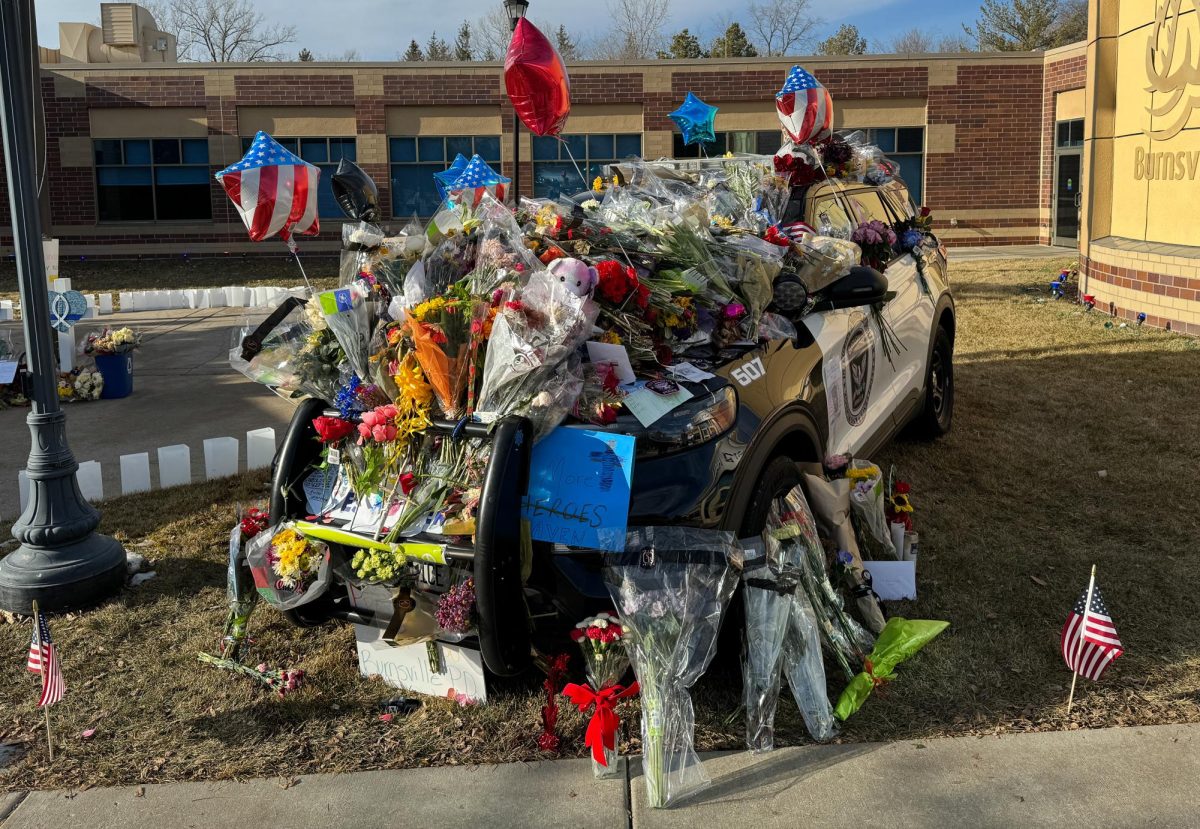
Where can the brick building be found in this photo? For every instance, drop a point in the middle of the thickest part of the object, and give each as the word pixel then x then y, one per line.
pixel 132 147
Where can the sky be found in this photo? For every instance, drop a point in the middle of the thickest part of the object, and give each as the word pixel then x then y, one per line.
pixel 380 29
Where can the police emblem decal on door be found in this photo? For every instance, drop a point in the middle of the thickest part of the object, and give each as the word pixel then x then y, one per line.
pixel 858 369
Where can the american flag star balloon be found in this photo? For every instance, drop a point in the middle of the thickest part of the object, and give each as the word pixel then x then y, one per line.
pixel 274 190
pixel 804 107
pixel 478 178
pixel 445 178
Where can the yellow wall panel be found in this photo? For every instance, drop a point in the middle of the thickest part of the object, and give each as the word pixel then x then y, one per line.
pixel 1174 194
pixel 1131 82
pixel 1135 13
pixel 1128 191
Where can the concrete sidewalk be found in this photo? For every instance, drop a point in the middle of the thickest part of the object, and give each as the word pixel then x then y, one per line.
pixel 977 253
pixel 1106 778
pixel 183 392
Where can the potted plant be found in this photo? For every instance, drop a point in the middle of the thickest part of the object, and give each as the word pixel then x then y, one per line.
pixel 113 353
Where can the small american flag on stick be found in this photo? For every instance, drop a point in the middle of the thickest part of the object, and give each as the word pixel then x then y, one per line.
pixel 43 659
pixel 1100 645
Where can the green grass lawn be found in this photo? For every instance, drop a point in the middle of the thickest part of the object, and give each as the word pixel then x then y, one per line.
pixel 1012 509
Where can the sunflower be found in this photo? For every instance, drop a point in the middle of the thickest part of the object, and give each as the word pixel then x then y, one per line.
pixel 900 503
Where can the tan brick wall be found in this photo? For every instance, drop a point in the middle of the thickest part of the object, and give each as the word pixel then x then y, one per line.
pixel 984 153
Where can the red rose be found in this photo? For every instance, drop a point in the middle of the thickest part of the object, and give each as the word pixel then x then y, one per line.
pixel 330 429
pixel 643 295
pixel 925 211
pixel 408 482
pixel 607 415
pixel 901 488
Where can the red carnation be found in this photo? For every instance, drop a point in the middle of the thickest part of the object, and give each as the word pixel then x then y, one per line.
pixel 330 429
pixel 614 281
pixel 643 295
pixel 595 633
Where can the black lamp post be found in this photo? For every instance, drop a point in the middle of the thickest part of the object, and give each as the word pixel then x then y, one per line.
pixel 515 9
pixel 61 563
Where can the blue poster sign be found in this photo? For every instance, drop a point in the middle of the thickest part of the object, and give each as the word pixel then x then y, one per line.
pixel 579 488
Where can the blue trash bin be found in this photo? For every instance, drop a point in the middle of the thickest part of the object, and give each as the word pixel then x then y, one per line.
pixel 117 371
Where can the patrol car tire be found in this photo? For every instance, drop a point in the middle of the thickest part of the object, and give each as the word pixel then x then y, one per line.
pixel 937 415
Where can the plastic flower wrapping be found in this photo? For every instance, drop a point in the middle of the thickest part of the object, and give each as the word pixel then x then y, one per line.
pixel 288 568
pixel 671 586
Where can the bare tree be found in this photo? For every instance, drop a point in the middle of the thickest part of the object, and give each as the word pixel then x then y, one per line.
pixel 345 56
pixel 782 26
pixel 637 33
pixel 912 42
pixel 491 34
pixel 222 30
pixel 955 43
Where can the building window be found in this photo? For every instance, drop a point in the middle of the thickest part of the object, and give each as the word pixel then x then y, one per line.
pixel 144 179
pixel 323 153
pixel 1069 133
pixel 754 142
pixel 554 171
pixel 414 160
pixel 906 147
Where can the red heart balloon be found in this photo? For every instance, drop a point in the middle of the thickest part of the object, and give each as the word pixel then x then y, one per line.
pixel 536 80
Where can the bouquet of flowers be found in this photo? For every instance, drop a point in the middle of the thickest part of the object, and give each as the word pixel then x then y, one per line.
pixel 876 240
pixel 289 569
pixel 109 342
pixel 89 383
pixel 781 637
pixel 600 640
pixel 671 587
pixel 867 510
pixel 791 523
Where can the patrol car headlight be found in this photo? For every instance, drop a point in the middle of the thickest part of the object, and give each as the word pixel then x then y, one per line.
pixel 697 421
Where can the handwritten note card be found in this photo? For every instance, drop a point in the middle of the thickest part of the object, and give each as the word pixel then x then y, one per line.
pixel 579 483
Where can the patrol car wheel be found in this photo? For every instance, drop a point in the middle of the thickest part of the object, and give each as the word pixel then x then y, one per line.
pixel 935 419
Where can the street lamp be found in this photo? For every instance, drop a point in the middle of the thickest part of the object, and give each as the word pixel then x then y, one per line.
pixel 61 563
pixel 515 9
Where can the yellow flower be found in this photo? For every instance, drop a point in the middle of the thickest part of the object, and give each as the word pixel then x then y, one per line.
pixel 729 153
pixel 598 183
pixel 611 337
pixel 864 474
pixel 722 221
pixel 428 308
pixel 410 381
pixel 900 503
pixel 293 556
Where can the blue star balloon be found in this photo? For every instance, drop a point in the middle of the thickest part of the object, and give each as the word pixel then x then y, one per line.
pixel 446 177
pixel 695 120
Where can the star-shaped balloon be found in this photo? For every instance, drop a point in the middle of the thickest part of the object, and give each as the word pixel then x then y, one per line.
pixel 478 178
pixel 445 178
pixel 695 120
pixel 274 190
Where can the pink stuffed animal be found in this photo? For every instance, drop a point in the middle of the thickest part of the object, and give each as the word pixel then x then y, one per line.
pixel 576 276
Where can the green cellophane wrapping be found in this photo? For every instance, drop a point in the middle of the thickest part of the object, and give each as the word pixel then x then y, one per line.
pixel 900 639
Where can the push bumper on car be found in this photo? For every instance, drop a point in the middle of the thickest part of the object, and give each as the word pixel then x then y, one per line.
pixel 495 556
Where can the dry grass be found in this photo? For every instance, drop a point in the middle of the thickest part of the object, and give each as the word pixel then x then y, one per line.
pixel 114 276
pixel 1011 510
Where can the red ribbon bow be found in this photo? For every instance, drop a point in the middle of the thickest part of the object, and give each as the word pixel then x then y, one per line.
pixel 602 728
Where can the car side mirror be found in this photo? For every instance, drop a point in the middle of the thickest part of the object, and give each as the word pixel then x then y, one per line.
pixel 862 286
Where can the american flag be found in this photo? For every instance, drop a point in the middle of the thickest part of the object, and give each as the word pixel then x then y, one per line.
pixel 1101 645
pixel 274 190
pixel 43 659
pixel 805 108
pixel 796 230
pixel 479 178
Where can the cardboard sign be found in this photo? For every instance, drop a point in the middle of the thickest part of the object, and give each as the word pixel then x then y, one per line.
pixel 408 667
pixel 893 580
pixel 579 484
